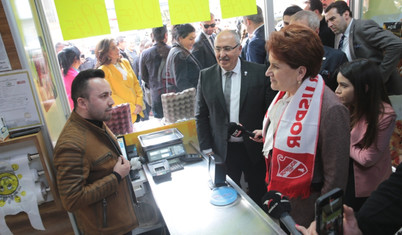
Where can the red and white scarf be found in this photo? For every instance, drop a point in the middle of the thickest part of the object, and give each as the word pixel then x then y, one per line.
pixel 291 165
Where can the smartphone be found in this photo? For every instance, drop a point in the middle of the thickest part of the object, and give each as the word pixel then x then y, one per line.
pixel 329 213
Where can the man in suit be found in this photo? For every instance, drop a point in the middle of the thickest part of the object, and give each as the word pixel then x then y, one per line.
pixel 366 39
pixel 248 95
pixel 203 48
pixel 255 46
pixel 332 59
pixel 326 35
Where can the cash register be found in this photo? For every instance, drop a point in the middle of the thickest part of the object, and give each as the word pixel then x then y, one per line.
pixel 163 150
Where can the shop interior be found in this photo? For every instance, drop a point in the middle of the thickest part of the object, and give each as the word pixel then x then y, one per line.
pixel 29 32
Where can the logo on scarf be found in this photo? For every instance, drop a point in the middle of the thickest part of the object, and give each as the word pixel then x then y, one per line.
pixel 290 168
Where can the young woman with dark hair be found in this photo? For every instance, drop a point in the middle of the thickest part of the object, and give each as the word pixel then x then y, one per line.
pixel 372 121
pixel 182 68
pixel 69 60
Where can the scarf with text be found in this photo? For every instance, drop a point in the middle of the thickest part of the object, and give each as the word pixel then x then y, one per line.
pixel 291 164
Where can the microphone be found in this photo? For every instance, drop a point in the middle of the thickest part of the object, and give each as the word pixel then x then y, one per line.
pixel 278 206
pixel 234 127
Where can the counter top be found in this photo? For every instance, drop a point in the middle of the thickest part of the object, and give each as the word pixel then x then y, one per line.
pixel 184 202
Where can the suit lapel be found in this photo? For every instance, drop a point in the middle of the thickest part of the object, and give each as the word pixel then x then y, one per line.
pixel 244 83
pixel 206 42
pixel 216 85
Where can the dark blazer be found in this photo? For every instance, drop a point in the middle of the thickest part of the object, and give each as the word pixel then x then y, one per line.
pixel 333 58
pixel 326 35
pixel 255 51
pixel 212 117
pixel 382 212
pixel 368 40
pixel 203 51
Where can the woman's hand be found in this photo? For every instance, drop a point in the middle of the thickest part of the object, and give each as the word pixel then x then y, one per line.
pixel 308 231
pixel 138 109
pixel 257 136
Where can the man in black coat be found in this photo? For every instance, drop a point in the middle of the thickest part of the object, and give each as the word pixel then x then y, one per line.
pixel 203 48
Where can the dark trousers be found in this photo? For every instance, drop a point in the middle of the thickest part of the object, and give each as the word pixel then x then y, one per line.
pixel 238 161
pixel 350 195
pixel 146 111
pixel 157 109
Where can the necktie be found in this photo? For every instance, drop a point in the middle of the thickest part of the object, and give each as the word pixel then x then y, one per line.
pixel 340 45
pixel 226 91
pixel 212 40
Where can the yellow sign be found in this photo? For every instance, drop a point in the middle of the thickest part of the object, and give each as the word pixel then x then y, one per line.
pixel 235 8
pixel 81 19
pixel 188 11
pixel 138 14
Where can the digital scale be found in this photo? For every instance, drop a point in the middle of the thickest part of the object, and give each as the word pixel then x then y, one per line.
pixel 159 147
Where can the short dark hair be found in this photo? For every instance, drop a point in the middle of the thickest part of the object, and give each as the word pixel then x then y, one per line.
pixel 291 10
pixel 79 88
pixel 256 18
pixel 182 30
pixel 159 33
pixel 316 5
pixel 340 6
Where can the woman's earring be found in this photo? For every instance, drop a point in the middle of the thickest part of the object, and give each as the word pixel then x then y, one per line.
pixel 299 82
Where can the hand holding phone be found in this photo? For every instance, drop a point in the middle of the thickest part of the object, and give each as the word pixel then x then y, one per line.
pixel 329 213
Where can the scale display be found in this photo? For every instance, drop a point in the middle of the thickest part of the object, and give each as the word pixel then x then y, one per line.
pixel 165 144
pixel 166 152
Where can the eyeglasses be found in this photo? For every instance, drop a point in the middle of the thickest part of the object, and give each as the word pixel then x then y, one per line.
pixel 225 49
pixel 209 25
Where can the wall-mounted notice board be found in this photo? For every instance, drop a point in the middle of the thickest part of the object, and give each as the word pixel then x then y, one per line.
pixel 17 102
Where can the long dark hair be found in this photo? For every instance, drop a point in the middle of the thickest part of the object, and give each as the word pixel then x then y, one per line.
pixel 369 95
pixel 67 56
pixel 182 30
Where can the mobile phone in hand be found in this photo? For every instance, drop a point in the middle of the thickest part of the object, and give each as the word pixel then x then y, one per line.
pixel 329 213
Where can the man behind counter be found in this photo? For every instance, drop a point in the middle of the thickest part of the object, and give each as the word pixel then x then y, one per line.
pixel 91 172
pixel 237 91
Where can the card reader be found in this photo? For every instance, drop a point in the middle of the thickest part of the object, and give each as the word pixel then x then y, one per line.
pixel 160 170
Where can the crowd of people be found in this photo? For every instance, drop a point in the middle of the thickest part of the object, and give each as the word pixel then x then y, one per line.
pixel 315 95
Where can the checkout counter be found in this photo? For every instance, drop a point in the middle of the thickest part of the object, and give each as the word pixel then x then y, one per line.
pixel 183 199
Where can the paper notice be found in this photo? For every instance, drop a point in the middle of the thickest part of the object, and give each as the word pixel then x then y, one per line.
pixel 4 62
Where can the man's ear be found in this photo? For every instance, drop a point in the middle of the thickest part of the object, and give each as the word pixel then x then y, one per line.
pixel 82 103
pixel 346 15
